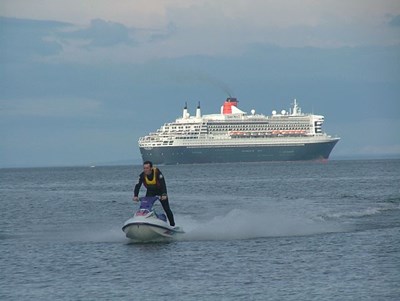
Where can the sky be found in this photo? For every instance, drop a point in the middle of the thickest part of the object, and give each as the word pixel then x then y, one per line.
pixel 81 81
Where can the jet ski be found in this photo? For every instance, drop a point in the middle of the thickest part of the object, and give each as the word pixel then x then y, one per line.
pixel 148 225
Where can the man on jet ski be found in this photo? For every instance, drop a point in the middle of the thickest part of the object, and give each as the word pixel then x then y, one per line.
pixel 154 181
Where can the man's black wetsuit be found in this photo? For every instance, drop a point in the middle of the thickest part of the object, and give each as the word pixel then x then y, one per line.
pixel 155 184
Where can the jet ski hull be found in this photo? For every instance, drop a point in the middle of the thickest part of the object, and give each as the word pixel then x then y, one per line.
pixel 145 230
pixel 147 225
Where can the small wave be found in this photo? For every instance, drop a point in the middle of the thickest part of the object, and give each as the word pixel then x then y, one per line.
pixel 243 224
pixel 356 214
pixel 351 196
pixel 7 236
pixel 393 200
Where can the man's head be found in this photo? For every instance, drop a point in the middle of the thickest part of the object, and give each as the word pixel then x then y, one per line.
pixel 147 167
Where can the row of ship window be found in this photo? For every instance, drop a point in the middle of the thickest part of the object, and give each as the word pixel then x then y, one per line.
pixel 245 127
pixel 261 129
pixel 248 128
pixel 182 128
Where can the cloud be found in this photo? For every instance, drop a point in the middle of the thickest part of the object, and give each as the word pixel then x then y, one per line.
pixel 139 31
pixel 137 13
pixel 164 34
pixel 23 39
pixel 190 27
pixel 102 33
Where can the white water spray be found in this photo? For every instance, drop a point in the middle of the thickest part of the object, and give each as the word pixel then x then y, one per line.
pixel 243 224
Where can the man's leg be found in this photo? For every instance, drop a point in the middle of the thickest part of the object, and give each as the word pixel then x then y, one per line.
pixel 168 211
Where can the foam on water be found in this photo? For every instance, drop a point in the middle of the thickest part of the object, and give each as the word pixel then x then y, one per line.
pixel 361 213
pixel 244 224
pixel 236 224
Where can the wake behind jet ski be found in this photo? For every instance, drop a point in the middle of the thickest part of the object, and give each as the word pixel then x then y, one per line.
pixel 148 225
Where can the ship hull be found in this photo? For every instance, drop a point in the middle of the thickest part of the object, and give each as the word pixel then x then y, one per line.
pixel 216 154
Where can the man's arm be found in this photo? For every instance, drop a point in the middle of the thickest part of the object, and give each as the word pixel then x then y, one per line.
pixel 138 185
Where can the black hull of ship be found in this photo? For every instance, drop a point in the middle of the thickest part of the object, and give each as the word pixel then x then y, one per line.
pixel 193 155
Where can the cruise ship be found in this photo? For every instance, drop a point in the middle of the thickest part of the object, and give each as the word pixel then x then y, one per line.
pixel 236 136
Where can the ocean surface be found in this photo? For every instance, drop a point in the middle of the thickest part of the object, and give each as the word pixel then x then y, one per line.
pixel 266 231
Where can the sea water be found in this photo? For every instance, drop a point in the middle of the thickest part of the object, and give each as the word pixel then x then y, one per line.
pixel 255 231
